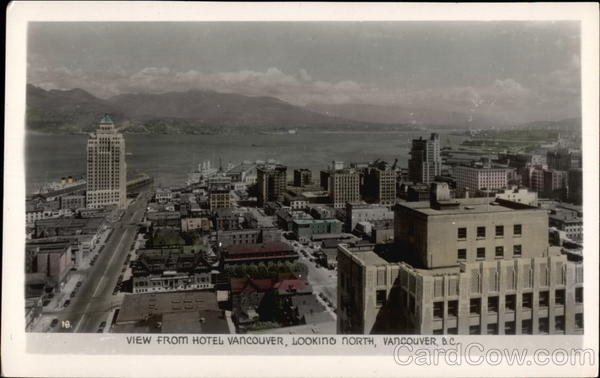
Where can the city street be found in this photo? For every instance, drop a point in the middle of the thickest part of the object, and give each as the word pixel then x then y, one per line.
pixel 94 300
pixel 322 279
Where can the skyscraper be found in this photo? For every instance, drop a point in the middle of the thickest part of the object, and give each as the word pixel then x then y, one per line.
pixel 379 185
pixel 271 182
pixel 106 168
pixel 425 160
pixel 344 186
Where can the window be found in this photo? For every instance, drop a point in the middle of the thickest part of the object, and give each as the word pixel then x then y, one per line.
pixel 499 231
pixel 499 251
pixel 511 302
pixel 381 297
pixel 517 250
pixel 492 304
pixel 462 233
pixel 481 253
pixel 579 295
pixel 475 306
pixel 509 328
pixel 474 330
pixel 517 230
pixel 492 329
pixel 462 254
pixel 543 326
pixel 453 308
pixel 381 277
pixel 439 331
pixel 544 299
pixel 559 324
pixel 452 331
pixel 579 321
pixel 527 300
pixel 559 297
pixel 526 327
pixel 438 310
pixel 481 232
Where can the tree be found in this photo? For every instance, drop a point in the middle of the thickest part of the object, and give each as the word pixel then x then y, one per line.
pixel 300 270
pixel 262 270
pixel 252 271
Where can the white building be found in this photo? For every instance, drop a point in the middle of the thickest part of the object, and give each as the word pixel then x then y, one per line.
pixel 520 195
pixel 479 178
pixel 106 168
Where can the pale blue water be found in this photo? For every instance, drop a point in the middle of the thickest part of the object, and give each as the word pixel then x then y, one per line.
pixel 168 158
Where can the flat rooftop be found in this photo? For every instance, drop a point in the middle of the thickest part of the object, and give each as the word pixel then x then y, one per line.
pixel 468 206
pixel 138 307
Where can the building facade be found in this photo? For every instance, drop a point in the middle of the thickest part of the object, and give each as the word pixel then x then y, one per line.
pixel 271 181
pixel 380 186
pixel 219 197
pixel 425 160
pixel 106 168
pixel 361 212
pixel 344 186
pixel 302 177
pixel 170 269
pixel 461 267
pixel 474 179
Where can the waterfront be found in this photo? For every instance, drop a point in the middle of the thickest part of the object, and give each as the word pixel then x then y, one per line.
pixel 169 158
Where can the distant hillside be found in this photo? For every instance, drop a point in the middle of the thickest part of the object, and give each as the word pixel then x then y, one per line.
pixel 401 115
pixel 194 112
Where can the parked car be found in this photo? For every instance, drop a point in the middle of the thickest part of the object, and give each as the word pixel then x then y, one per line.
pixel 73 293
pixel 54 323
pixel 46 302
pixel 67 303
pixel 78 284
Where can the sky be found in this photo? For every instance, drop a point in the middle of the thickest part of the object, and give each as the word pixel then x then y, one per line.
pixel 513 71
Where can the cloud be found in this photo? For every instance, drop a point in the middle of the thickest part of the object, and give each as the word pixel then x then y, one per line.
pixel 506 99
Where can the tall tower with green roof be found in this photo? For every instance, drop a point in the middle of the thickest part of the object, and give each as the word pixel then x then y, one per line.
pixel 106 167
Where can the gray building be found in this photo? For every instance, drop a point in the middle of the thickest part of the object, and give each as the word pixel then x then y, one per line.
pixel 361 212
pixel 271 181
pixel 302 177
pixel 461 267
pixel 425 160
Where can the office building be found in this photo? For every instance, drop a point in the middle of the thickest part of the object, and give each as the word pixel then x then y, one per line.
pixel 425 160
pixel 554 183
pixel 559 159
pixel 271 182
pixel 379 186
pixel 219 197
pixel 302 177
pixel 466 266
pixel 479 178
pixel 361 212
pixel 324 179
pixel 575 185
pixel 344 186
pixel 170 269
pixel 106 168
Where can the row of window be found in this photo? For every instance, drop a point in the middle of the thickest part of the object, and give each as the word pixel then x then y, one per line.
pixel 509 304
pixel 461 253
pixel 481 232
pixel 526 327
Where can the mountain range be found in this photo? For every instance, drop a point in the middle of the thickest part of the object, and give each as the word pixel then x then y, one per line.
pixel 191 112
pixel 210 112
